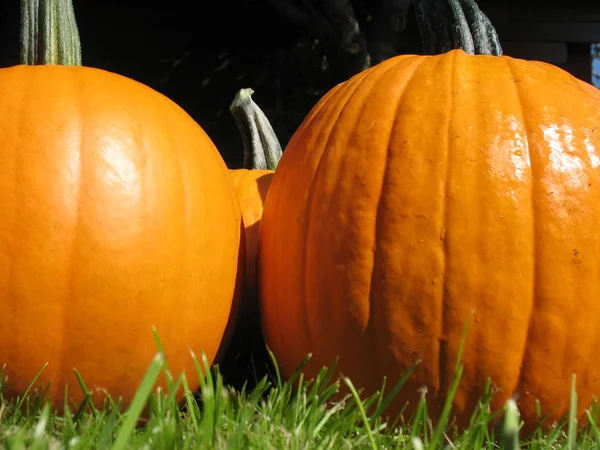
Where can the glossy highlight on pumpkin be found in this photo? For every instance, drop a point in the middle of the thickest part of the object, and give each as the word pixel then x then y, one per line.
pixel 427 191
pixel 118 214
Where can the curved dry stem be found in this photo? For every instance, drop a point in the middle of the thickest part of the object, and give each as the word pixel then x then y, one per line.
pixel 262 149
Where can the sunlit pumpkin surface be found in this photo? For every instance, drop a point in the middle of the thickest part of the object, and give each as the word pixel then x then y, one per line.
pixel 427 189
pixel 117 214
pixel 251 188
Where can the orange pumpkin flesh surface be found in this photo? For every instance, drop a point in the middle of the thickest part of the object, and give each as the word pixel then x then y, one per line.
pixel 118 214
pixel 251 187
pixel 427 189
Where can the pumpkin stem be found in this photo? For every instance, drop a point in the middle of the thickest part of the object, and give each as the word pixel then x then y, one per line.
pixel 450 24
pixel 261 146
pixel 49 33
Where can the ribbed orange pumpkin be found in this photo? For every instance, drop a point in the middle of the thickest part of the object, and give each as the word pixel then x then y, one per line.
pixel 118 214
pixel 427 190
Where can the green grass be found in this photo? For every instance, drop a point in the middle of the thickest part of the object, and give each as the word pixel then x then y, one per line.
pixel 271 415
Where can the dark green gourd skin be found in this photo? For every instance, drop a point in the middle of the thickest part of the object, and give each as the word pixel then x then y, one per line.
pixel 452 24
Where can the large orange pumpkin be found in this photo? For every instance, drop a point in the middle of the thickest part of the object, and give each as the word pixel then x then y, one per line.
pixel 427 190
pixel 118 214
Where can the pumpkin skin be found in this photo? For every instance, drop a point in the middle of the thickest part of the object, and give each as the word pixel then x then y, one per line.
pixel 118 214
pixel 243 345
pixel 431 190
pixel 243 327
pixel 251 186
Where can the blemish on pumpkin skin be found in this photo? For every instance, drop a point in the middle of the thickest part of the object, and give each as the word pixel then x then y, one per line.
pixel 576 258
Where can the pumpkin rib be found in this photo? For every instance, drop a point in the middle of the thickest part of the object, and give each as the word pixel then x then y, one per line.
pixel 443 378
pixel 350 88
pixel 337 191
pixel 535 238
pixel 534 222
pixel 315 114
pixel 590 90
pixel 183 188
pixel 19 197
pixel 482 189
pixel 379 207
pixel 61 366
pixel 145 182
pixel 341 169
pixel 226 338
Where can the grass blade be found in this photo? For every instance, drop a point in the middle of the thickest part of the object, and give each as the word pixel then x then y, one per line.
pixel 363 413
pixel 139 401
pixel 510 428
pixel 572 433
pixel 31 385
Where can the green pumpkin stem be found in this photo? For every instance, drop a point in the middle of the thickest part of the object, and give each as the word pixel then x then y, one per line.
pixel 49 33
pixel 455 24
pixel 261 146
